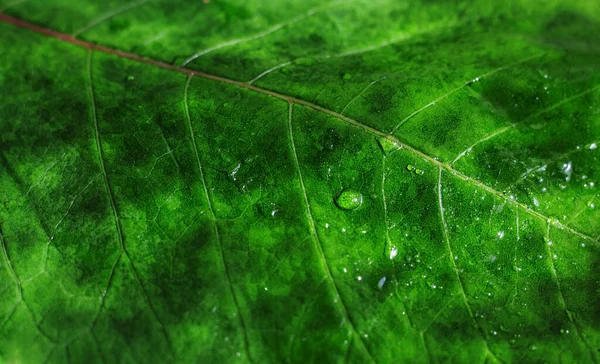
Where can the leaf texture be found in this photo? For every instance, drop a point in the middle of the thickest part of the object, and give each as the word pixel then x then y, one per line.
pixel 289 181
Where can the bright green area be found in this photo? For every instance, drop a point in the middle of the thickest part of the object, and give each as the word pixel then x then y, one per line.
pixel 451 214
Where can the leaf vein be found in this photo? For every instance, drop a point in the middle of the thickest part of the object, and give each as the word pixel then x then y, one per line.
pixel 111 198
pixel 212 214
pixel 317 241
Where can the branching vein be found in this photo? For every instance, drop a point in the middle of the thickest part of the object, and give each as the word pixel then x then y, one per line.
pixel 465 84
pixel 109 15
pixel 111 198
pixel 262 34
pixel 317 241
pixel 561 297
pixel 212 214
pixel 454 267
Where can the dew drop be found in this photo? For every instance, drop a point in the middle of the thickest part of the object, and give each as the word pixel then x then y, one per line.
pixel 130 78
pixel 593 146
pixel 347 76
pixel 349 200
pixel 388 146
pixel 567 169
pixel 235 171
pixel 381 282
pixel 410 167
pixel 420 172
pixel 393 252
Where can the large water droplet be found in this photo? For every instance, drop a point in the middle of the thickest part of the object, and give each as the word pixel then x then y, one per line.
pixel 349 200
pixel 388 146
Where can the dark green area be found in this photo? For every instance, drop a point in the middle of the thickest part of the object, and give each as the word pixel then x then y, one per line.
pixel 434 200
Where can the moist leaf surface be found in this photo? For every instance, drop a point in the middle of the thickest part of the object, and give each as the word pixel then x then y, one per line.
pixel 277 181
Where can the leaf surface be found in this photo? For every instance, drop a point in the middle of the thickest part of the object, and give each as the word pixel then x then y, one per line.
pixel 299 181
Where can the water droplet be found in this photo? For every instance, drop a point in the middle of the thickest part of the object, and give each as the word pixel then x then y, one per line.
pixel 381 282
pixel 567 169
pixel 235 171
pixel 359 278
pixel 393 252
pixel 420 172
pixel 349 200
pixel 388 146
pixel 347 76
pixel 593 146
pixel 130 78
pixel 410 167
pixel 238 354
pixel 500 234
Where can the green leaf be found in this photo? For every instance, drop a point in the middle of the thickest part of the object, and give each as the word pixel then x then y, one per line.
pixel 299 181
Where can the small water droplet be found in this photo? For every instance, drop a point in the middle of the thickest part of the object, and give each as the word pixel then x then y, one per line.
pixel 130 78
pixel 235 171
pixel 593 146
pixel 420 172
pixel 567 169
pixel 393 252
pixel 349 200
pixel 381 282
pixel 410 167
pixel 359 278
pixel 500 234
pixel 347 76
